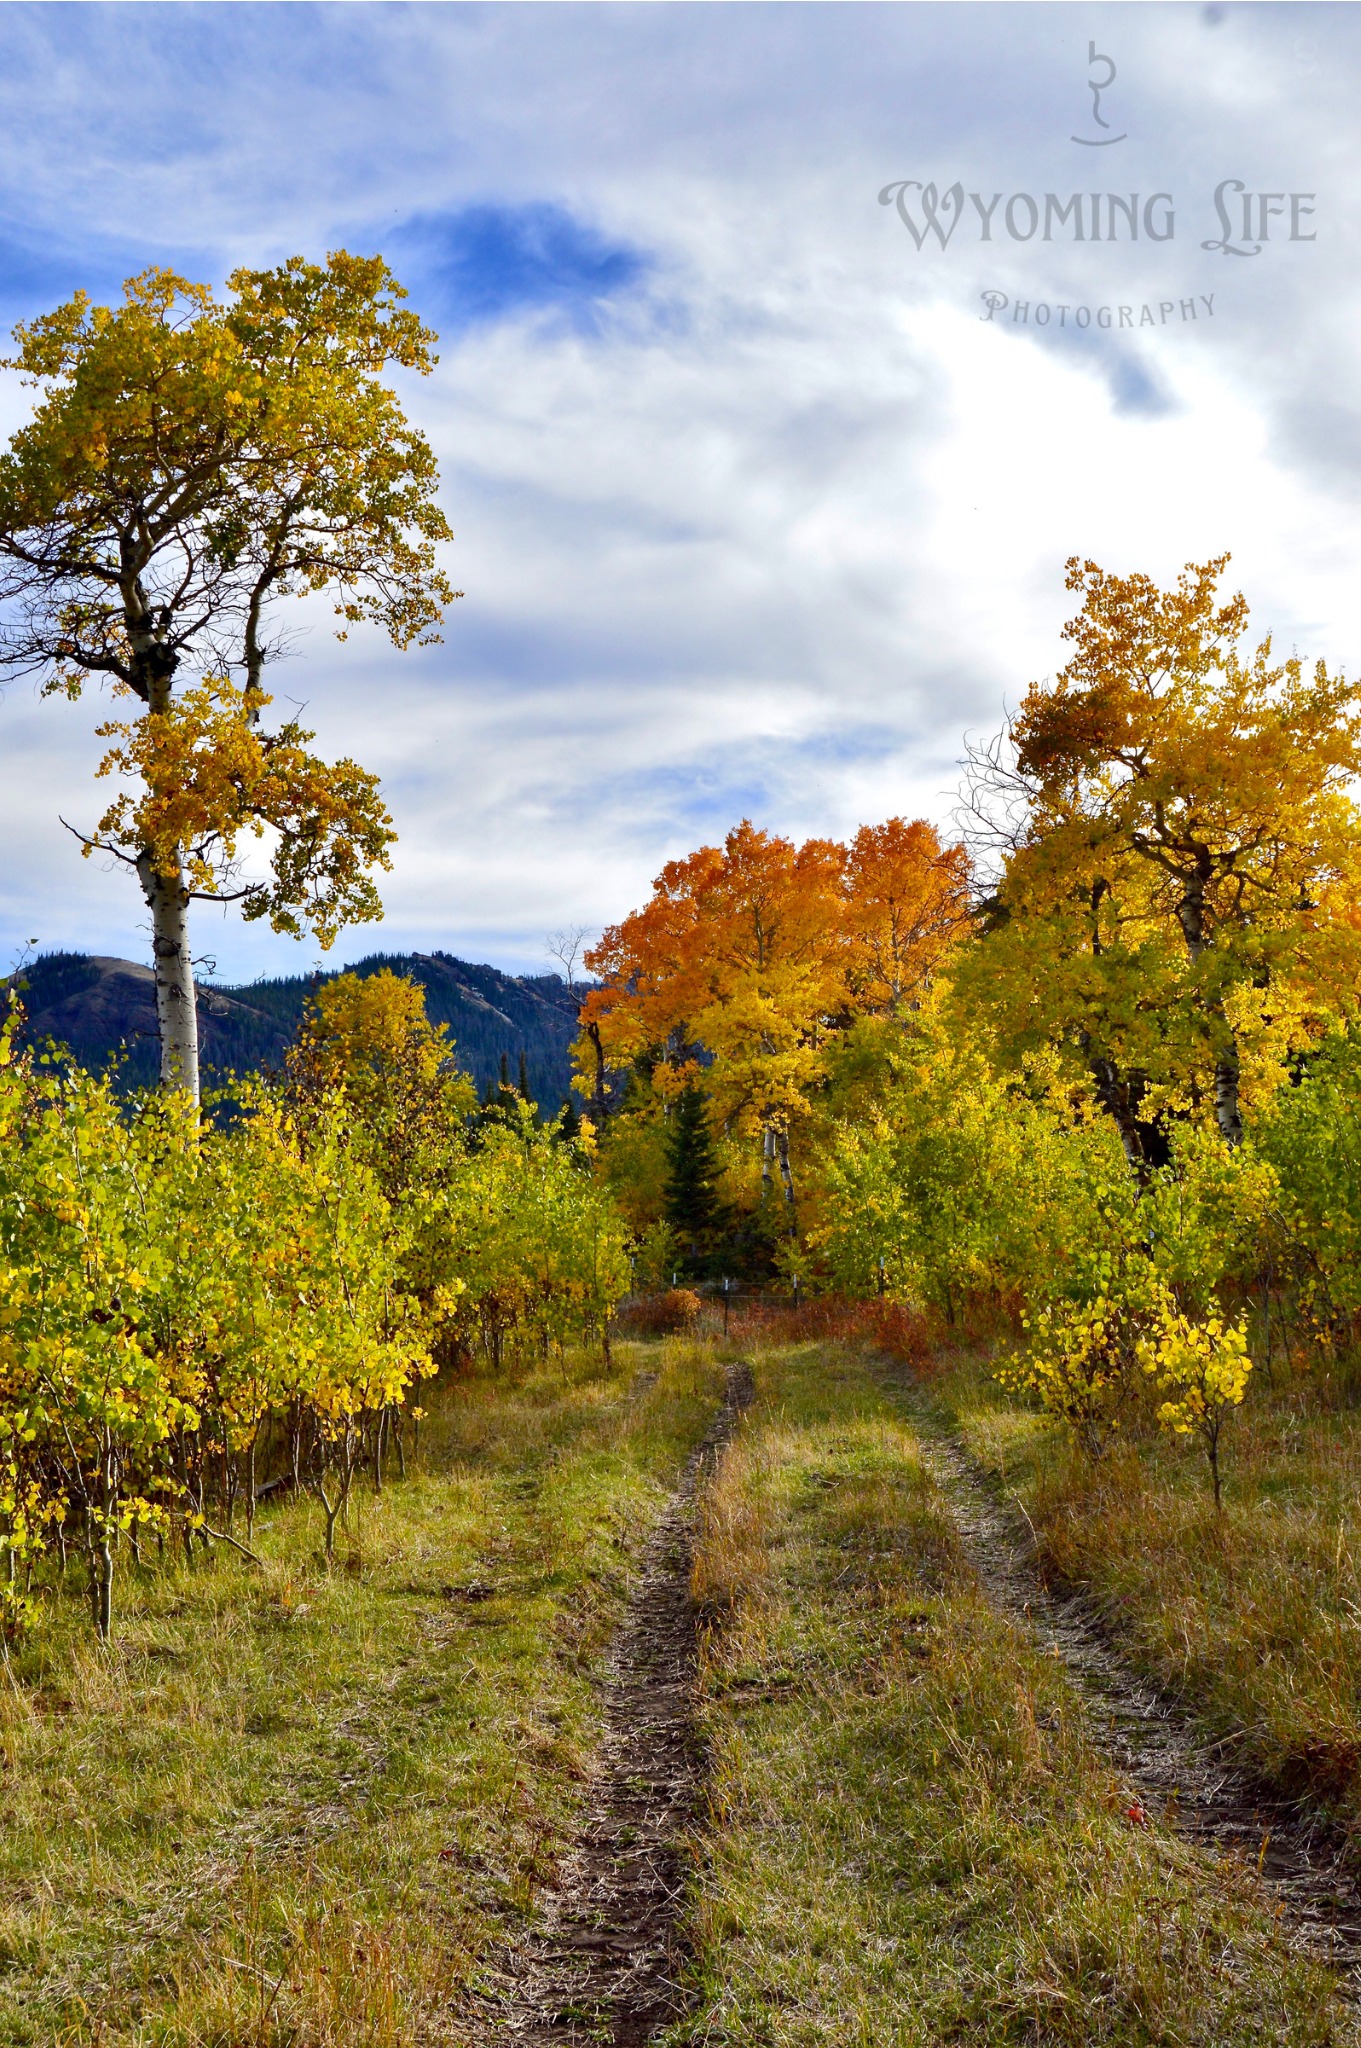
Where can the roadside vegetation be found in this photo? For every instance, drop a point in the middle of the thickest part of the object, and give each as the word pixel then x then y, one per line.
pixel 295 1805
pixel 1252 1616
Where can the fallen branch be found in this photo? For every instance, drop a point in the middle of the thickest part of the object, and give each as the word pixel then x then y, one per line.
pixel 221 1536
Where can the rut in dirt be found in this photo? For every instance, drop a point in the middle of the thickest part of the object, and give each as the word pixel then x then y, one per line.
pixel 1148 1737
pixel 605 1966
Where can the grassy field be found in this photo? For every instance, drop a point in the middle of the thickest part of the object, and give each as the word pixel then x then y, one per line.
pixel 912 1841
pixel 290 1808
pixel 1252 1616
pixel 293 1807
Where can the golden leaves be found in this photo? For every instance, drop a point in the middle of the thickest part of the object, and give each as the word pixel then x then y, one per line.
pixel 759 952
pixel 1186 864
pixel 189 462
pixel 210 776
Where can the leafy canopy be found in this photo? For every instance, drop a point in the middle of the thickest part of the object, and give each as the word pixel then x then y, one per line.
pixel 759 951
pixel 1180 839
pixel 189 462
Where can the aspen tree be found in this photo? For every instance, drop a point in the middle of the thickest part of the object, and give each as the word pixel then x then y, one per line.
pixel 1182 832
pixel 189 462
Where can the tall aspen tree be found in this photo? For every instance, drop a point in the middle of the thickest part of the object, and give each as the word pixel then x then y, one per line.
pixel 189 462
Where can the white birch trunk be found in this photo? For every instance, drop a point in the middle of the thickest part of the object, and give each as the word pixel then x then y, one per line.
pixel 176 1009
pixel 786 1171
pixel 1227 1113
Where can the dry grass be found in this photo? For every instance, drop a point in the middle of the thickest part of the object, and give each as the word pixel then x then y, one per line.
pixel 912 1840
pixel 1252 1616
pixel 291 1807
pixel 891 1327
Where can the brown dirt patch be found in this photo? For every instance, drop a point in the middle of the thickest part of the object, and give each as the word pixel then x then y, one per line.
pixel 604 1966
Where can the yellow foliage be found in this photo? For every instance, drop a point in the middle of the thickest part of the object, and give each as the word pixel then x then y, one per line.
pixel 1186 865
pixel 188 463
pixel 1208 1365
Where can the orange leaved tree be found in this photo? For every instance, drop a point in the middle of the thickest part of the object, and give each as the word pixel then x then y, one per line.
pixel 750 957
pixel 735 961
pixel 904 896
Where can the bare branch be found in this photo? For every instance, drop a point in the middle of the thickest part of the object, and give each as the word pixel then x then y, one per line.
pixel 97 845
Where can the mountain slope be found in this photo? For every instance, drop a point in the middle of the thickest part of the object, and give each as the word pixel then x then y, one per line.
pixel 101 1007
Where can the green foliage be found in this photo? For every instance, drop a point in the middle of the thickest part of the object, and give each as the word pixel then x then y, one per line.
pixel 172 1294
pixel 533 1242
pixel 693 1209
pixel 961 1184
pixel 1310 1135
pixel 163 1289
pixel 658 1256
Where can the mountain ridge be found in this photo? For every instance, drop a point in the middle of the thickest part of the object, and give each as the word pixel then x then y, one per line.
pixel 102 1008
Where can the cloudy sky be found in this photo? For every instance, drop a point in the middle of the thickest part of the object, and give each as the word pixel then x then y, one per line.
pixel 759 506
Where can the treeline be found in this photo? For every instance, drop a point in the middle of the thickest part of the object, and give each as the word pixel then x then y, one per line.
pixel 105 1011
pixel 194 1310
pixel 1095 1071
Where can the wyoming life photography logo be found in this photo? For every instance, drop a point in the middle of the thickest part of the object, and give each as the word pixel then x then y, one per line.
pixel 1245 220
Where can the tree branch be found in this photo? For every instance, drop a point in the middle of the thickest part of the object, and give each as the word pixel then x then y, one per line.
pixel 98 845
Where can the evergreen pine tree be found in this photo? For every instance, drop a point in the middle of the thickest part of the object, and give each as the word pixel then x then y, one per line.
pixel 524 1077
pixel 506 1097
pixel 692 1206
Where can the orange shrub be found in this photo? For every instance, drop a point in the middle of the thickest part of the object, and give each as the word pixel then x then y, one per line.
pixel 673 1314
pixel 889 1326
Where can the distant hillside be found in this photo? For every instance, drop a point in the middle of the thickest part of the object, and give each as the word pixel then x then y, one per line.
pixel 100 1007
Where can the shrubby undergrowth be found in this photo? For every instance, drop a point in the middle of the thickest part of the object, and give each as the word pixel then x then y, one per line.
pixel 194 1311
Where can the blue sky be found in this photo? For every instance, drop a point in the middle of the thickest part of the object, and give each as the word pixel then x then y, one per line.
pixel 759 507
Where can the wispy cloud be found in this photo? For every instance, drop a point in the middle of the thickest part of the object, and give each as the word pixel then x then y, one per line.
pixel 755 511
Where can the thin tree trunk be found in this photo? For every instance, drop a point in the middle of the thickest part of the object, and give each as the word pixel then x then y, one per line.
pixel 1227 1113
pixel 786 1172
pixel 1191 917
pixel 340 1507
pixel 103 1592
pixel 176 1011
pixel 599 1099
pixel 767 1161
pixel 1113 1094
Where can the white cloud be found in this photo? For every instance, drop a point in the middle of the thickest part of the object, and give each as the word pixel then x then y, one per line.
pixel 792 515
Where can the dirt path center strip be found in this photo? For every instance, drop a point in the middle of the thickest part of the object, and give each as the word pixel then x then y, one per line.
pixel 604 1966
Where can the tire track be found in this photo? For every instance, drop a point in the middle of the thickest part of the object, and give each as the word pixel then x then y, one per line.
pixel 1149 1738
pixel 605 1964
